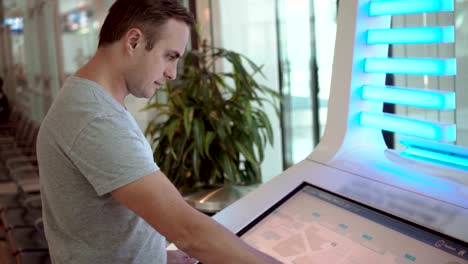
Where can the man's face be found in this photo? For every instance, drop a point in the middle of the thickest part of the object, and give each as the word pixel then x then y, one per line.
pixel 152 69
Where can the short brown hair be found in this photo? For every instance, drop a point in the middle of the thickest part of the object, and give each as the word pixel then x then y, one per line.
pixel 147 15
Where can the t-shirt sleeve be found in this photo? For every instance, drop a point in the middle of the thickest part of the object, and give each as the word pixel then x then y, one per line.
pixel 111 154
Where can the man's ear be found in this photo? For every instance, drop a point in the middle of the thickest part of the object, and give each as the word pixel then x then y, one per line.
pixel 133 39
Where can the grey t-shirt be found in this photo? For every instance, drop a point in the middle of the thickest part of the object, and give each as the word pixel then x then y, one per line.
pixel 88 146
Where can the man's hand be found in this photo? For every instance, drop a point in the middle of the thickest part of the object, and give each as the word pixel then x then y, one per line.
pixel 179 257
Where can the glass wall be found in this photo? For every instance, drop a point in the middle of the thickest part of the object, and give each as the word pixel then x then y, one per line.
pixel 298 77
pixel 306 44
pixel 254 35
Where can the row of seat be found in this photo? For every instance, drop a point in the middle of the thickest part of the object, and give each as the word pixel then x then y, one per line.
pixel 22 237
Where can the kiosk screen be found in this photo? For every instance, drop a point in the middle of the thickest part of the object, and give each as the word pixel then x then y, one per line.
pixel 312 225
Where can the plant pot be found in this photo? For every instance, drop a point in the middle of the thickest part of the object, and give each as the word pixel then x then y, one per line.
pixel 213 199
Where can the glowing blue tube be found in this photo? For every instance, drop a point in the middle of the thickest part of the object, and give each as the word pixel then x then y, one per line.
pixel 419 35
pixel 434 151
pixel 400 7
pixel 412 97
pixel 436 156
pixel 421 66
pixel 434 146
pixel 412 127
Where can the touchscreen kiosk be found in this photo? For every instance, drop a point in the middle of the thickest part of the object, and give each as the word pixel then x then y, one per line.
pixel 312 225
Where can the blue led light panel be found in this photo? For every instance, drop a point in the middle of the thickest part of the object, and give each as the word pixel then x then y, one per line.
pixel 435 151
pixel 439 100
pixel 408 126
pixel 419 35
pixel 434 146
pixel 400 7
pixel 435 156
pixel 418 66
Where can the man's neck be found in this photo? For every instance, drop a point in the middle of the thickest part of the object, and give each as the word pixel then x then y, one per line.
pixel 104 70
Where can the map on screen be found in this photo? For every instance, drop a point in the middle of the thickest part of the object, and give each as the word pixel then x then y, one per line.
pixel 315 226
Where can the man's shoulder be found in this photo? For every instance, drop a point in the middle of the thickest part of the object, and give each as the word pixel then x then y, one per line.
pixel 77 92
pixel 74 108
pixel 82 99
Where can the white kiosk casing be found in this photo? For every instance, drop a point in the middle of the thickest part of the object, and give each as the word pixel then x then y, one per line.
pixel 353 161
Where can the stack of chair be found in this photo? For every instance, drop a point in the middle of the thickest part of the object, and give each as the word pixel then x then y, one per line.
pixel 22 239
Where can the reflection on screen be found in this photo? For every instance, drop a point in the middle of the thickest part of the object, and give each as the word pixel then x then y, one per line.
pixel 314 226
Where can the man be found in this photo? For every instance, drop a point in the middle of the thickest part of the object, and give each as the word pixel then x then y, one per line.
pixel 104 198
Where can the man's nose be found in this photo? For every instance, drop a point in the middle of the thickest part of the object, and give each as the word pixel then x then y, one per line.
pixel 171 72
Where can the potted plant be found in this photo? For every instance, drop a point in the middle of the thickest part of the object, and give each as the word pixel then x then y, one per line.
pixel 210 128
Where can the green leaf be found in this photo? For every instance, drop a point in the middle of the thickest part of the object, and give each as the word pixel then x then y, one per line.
pixel 255 67
pixel 171 128
pixel 186 151
pixel 231 172
pixel 236 172
pixel 199 134
pixel 259 145
pixel 188 117
pixel 196 165
pixel 226 122
pixel 264 118
pixel 220 130
pixel 177 101
pixel 253 172
pixel 247 151
pixel 172 152
pixel 226 165
pixel 153 105
pixel 248 114
pixel 209 138
pixel 149 130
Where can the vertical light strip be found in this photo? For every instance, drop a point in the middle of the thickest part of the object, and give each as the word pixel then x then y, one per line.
pixel 419 35
pixel 407 126
pixel 400 7
pixel 412 97
pixel 421 66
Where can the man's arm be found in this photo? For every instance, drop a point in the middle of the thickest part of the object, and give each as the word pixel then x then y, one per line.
pixel 156 200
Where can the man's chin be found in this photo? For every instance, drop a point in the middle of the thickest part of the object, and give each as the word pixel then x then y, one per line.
pixel 147 96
